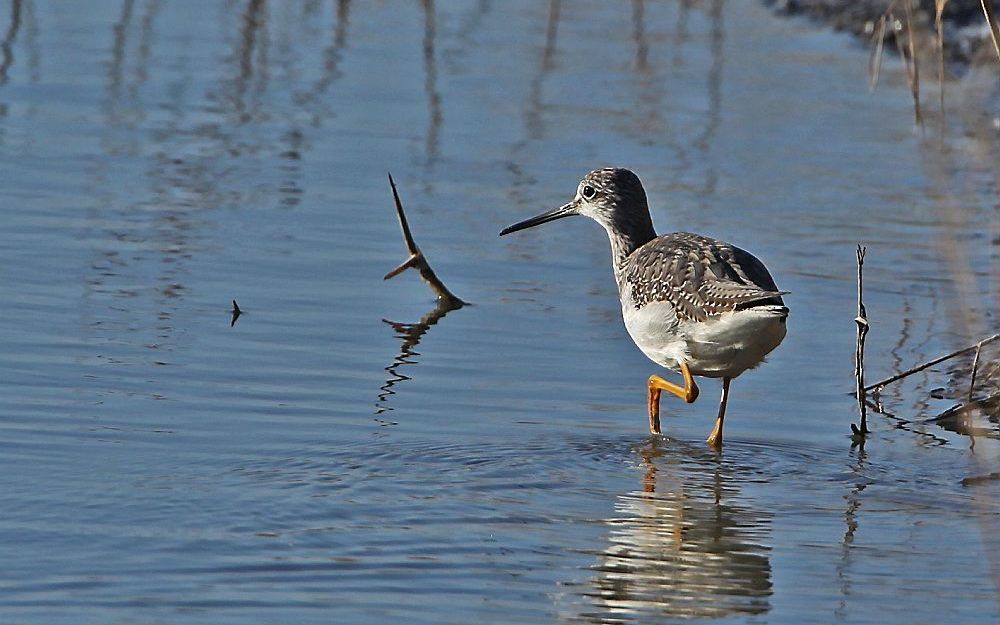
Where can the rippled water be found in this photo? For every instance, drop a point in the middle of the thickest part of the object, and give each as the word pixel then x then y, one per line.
pixel 347 452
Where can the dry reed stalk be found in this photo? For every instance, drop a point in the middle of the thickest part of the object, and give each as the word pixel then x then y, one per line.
pixel 417 259
pixel 939 6
pixel 859 356
pixel 991 19
pixel 907 52
pixel 975 368
pixel 875 60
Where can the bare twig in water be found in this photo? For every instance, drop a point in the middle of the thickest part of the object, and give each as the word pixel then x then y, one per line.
pixel 975 367
pixel 412 333
pixel 960 418
pixel 931 363
pixel 417 259
pixel 980 479
pixel 859 357
pixel 991 18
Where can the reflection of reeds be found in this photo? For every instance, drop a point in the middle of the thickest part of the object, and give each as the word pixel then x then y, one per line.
pixel 967 319
pixel 6 46
pixel 436 117
pixel 910 56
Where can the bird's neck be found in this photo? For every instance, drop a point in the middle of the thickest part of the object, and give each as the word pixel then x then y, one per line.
pixel 627 236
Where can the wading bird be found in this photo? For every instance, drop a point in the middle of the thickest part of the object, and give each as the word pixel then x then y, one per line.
pixel 691 303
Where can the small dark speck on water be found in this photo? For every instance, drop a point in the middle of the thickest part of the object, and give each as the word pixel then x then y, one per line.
pixel 236 312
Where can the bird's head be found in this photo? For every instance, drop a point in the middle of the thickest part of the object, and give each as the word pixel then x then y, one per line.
pixel 613 197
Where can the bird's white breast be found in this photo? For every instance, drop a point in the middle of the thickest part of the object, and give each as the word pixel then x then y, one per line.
pixel 722 346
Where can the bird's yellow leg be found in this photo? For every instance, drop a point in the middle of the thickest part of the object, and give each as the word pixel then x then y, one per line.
pixel 688 392
pixel 715 438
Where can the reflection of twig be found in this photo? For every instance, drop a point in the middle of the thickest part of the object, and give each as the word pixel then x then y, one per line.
pixel 938 360
pixel 411 333
pixel 905 425
pixel 417 259
pixel 859 357
pixel 851 523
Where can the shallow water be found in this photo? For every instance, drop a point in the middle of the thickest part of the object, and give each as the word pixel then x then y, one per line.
pixel 345 452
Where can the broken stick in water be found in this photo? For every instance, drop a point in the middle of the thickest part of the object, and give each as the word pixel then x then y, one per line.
pixel 931 363
pixel 417 259
pixel 859 356
pixel 975 367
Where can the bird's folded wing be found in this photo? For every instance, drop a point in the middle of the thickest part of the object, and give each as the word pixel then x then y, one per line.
pixel 700 277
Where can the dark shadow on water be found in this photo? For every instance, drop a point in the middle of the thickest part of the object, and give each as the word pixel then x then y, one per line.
pixel 684 546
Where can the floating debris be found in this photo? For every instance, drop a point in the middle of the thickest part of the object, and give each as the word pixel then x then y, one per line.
pixel 236 313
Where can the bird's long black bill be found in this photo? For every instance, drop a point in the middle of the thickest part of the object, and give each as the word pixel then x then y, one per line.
pixel 563 211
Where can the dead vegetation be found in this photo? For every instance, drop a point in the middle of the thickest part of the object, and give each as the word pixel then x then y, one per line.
pixel 911 35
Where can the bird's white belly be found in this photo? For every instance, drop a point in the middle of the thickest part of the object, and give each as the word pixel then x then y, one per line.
pixel 723 346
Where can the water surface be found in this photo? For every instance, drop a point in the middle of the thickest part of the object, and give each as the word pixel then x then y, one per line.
pixel 347 452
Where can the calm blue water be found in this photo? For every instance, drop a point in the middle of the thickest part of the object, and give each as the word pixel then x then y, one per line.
pixel 333 458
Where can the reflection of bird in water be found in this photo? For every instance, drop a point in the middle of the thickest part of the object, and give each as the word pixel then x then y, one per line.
pixel 682 547
pixel 411 334
pixel 691 303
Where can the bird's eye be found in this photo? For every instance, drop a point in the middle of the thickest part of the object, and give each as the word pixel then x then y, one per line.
pixel 588 191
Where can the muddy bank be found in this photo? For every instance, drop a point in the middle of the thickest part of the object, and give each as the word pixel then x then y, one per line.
pixel 965 32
